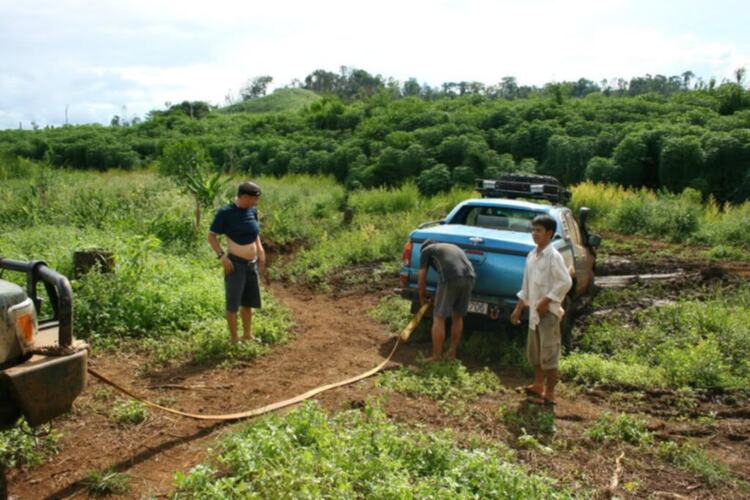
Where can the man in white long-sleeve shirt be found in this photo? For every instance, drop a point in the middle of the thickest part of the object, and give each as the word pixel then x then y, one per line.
pixel 546 281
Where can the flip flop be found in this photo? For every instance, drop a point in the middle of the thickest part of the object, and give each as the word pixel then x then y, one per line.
pixel 549 402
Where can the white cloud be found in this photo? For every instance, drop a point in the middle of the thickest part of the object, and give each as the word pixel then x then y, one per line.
pixel 100 56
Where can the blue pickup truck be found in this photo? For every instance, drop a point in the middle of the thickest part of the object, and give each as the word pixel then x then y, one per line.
pixel 495 233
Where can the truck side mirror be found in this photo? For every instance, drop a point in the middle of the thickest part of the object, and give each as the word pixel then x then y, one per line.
pixel 583 217
pixel 594 240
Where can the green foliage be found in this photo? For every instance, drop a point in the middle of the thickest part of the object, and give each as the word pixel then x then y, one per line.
pixel 183 160
pixel 281 100
pixel 621 428
pixel 356 455
pixel 444 380
pixel 703 344
pixel 207 342
pixel 369 132
pixel 528 418
pixel 674 217
pixel 392 311
pixel 128 412
pixel 106 482
pixel 166 285
pixel 22 445
pixel 434 180
pixel 694 460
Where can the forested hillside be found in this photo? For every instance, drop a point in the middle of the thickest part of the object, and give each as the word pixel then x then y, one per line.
pixel 367 131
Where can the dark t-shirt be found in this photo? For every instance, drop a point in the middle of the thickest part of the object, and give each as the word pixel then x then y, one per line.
pixel 448 260
pixel 239 224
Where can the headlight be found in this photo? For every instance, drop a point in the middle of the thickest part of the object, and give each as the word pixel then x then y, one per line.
pixel 23 317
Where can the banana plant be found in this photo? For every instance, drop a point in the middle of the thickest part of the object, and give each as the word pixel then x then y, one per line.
pixel 205 188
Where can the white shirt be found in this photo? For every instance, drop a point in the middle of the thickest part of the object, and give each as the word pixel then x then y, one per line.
pixel 545 276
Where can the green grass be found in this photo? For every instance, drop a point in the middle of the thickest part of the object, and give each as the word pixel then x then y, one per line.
pixel 702 344
pixel 356 454
pixel 694 460
pixel 278 101
pixel 528 419
pixel 128 412
pixel 167 286
pixel 106 482
pixel 441 381
pixel 620 428
pixel 23 446
pixel 671 217
pixel 392 311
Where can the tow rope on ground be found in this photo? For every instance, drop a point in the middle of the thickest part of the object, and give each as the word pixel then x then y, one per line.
pixel 403 337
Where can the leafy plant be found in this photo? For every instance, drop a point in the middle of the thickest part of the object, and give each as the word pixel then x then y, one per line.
pixel 621 428
pixel 106 482
pixel 22 445
pixel 128 412
pixel 356 454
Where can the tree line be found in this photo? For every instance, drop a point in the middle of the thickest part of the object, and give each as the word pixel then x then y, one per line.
pixel 368 131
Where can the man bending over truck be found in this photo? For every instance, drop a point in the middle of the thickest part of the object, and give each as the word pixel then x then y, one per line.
pixel 452 295
pixel 546 281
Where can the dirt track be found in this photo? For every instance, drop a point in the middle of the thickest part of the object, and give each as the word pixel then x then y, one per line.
pixel 335 338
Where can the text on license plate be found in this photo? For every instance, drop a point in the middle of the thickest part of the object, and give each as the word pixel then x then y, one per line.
pixel 478 307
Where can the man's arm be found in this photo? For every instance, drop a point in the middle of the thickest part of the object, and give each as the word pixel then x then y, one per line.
pixel 261 252
pixel 213 240
pixel 560 278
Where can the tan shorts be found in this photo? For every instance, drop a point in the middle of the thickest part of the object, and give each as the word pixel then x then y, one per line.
pixel 543 343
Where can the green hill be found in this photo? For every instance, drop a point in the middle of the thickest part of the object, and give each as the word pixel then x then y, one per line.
pixel 279 100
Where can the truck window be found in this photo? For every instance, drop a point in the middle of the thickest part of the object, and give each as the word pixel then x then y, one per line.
pixel 502 218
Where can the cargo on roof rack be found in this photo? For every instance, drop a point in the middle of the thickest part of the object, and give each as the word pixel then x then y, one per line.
pixel 538 187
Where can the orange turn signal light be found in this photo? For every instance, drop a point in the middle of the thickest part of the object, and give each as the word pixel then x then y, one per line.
pixel 25 326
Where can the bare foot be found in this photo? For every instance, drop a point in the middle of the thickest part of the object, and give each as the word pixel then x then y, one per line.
pixel 248 339
pixel 234 340
pixel 451 356
pixel 532 390
pixel 432 359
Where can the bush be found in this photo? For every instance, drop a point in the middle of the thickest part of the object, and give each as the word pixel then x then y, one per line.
pixel 356 455
pixel 434 180
pixel 620 429
pixel 21 445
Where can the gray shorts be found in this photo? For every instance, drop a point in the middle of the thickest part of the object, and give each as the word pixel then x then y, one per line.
pixel 543 343
pixel 242 285
pixel 452 298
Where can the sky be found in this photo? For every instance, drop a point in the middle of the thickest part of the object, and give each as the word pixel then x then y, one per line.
pixel 97 59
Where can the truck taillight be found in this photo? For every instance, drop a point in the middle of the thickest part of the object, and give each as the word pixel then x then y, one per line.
pixel 406 256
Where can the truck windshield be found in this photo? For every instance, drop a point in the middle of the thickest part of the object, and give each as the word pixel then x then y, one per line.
pixel 503 218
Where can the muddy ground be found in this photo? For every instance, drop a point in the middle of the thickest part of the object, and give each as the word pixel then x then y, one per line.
pixel 335 338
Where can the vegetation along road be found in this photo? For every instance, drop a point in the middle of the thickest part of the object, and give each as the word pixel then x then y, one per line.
pixel 654 396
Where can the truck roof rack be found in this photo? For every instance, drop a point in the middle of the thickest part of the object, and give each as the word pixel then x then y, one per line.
pixel 539 187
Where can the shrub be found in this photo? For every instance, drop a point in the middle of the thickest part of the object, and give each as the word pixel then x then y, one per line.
pixel 356 455
pixel 128 412
pixel 692 459
pixel 620 429
pixel 21 445
pixel 434 180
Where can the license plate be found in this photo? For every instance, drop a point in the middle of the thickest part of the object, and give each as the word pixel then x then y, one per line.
pixel 478 307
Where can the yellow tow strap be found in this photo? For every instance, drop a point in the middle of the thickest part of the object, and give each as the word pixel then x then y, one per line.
pixel 403 337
